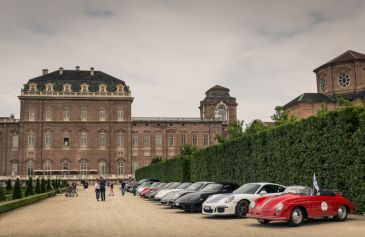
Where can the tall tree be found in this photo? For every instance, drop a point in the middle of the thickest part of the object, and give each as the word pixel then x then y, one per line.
pixel 17 194
pixel 188 149
pixel 38 189
pixel 29 191
pixel 8 185
pixel 235 131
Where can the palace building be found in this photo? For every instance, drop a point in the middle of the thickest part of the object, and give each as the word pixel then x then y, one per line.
pixel 344 76
pixel 79 122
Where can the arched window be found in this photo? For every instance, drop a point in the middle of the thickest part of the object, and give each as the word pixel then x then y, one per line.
pixel 30 167
pixel 49 87
pixel 47 167
pixel 14 168
pixel 65 167
pixel 183 139
pixel 67 87
pixel 102 140
pixel 120 139
pixel 33 87
pixel 84 87
pixel 83 139
pixel 102 167
pixel 120 88
pixel 102 88
pixel 14 140
pixel 221 112
pixel 83 167
pixel 120 167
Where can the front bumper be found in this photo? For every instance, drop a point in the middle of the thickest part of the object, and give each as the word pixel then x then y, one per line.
pixel 218 210
pixel 266 215
pixel 193 207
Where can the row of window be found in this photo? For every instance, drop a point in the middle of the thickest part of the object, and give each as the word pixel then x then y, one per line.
pixel 67 114
pixel 47 168
pixel 102 139
pixel 49 87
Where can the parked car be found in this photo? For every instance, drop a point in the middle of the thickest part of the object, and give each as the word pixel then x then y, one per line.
pixel 130 186
pixel 152 187
pixel 170 198
pixel 194 201
pixel 151 194
pixel 238 202
pixel 162 194
pixel 173 186
pixel 297 204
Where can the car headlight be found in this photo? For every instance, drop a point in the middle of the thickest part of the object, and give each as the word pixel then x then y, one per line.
pixel 252 205
pixel 230 199
pixel 279 206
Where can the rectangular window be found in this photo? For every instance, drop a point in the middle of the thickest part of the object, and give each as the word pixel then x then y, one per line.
pixel 146 140
pixel 146 152
pixel 48 115
pixel 31 114
pixel 120 168
pixel 159 153
pixel 158 139
pixel 183 139
pixel 83 140
pixel 171 140
pixel 102 140
pixel 102 115
pixel 83 114
pixel 195 139
pixel 47 140
pixel 66 141
pixel 31 140
pixel 120 140
pixel 120 153
pixel 134 152
pixel 134 139
pixel 15 141
pixel 120 115
pixel 66 114
pixel 206 140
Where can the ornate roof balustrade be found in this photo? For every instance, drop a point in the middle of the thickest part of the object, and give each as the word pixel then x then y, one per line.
pixel 78 94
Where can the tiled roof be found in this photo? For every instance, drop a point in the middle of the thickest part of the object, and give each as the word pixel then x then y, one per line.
pixel 347 56
pixel 309 98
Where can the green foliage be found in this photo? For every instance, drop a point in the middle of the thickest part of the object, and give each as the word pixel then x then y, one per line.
pixel 17 194
pixel 55 184
pixel 38 188
pixel 43 186
pixel 254 127
pixel 7 206
pixel 29 191
pixel 187 150
pixel 155 160
pixel 48 187
pixel 177 169
pixel 281 116
pixel 235 131
pixel 8 185
pixel 2 193
pixel 342 102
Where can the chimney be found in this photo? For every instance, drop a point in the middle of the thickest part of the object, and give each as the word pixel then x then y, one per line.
pixel 44 71
pixel 91 71
pixel 77 68
pixel 61 70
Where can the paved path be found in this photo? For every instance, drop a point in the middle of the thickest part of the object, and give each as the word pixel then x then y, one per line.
pixel 132 216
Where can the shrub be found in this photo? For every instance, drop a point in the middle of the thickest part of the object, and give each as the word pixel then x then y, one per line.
pixel 7 206
pixel 48 185
pixel 43 186
pixel 2 194
pixel 29 191
pixel 17 194
pixel 8 185
pixel 38 189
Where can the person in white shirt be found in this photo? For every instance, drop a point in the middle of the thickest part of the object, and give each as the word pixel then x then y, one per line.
pixel 97 190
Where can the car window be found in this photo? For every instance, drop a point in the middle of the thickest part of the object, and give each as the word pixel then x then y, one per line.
pixel 270 188
pixel 212 188
pixel 228 188
pixel 195 186
pixel 249 188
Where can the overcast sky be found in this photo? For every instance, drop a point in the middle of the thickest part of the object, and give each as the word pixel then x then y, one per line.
pixel 170 52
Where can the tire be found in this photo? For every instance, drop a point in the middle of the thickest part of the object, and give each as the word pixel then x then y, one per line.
pixel 263 221
pixel 342 213
pixel 296 217
pixel 242 209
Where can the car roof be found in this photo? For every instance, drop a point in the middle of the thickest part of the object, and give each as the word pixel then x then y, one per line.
pixel 264 183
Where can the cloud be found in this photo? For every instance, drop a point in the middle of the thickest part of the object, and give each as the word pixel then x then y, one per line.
pixel 171 52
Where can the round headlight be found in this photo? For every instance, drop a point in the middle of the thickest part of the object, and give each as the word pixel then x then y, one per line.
pixel 229 199
pixel 279 206
pixel 252 205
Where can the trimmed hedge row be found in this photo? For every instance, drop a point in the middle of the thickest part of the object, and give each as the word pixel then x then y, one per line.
pixel 331 145
pixel 177 169
pixel 7 206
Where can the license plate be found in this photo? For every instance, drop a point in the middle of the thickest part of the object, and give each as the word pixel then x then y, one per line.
pixel 207 208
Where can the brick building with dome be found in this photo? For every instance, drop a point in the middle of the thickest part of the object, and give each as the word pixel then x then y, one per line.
pixel 79 122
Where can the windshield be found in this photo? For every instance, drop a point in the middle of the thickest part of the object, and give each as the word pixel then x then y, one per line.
pixel 162 185
pixel 184 185
pixel 155 184
pixel 142 181
pixel 212 188
pixel 247 189
pixel 145 184
pixel 299 190
pixel 195 186
pixel 174 185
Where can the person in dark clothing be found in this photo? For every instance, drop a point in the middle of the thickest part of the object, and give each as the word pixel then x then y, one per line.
pixel 102 189
pixel 122 187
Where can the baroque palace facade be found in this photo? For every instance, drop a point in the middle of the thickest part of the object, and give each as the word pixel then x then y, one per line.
pixel 78 122
pixel 342 76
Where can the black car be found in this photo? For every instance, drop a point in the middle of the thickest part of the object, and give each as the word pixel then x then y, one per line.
pixel 194 201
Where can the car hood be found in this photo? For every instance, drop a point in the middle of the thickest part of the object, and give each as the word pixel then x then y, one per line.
pixel 271 202
pixel 220 198
pixel 196 196
pixel 177 194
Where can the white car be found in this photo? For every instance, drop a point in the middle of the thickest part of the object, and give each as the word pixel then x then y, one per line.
pixel 162 193
pixel 237 203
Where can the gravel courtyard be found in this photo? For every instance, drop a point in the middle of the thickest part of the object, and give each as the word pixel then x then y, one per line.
pixel 132 216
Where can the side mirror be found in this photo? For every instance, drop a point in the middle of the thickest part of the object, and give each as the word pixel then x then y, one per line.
pixel 263 192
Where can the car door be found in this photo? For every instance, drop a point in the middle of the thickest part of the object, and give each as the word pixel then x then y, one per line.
pixel 322 206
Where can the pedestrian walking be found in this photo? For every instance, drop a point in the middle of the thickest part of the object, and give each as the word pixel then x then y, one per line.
pixel 134 187
pixel 97 189
pixel 111 192
pixel 74 186
pixel 122 187
pixel 102 189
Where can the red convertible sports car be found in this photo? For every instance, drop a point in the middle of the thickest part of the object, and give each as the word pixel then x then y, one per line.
pixel 297 204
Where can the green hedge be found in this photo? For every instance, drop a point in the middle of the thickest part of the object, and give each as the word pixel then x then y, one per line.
pixel 7 206
pixel 331 145
pixel 177 169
